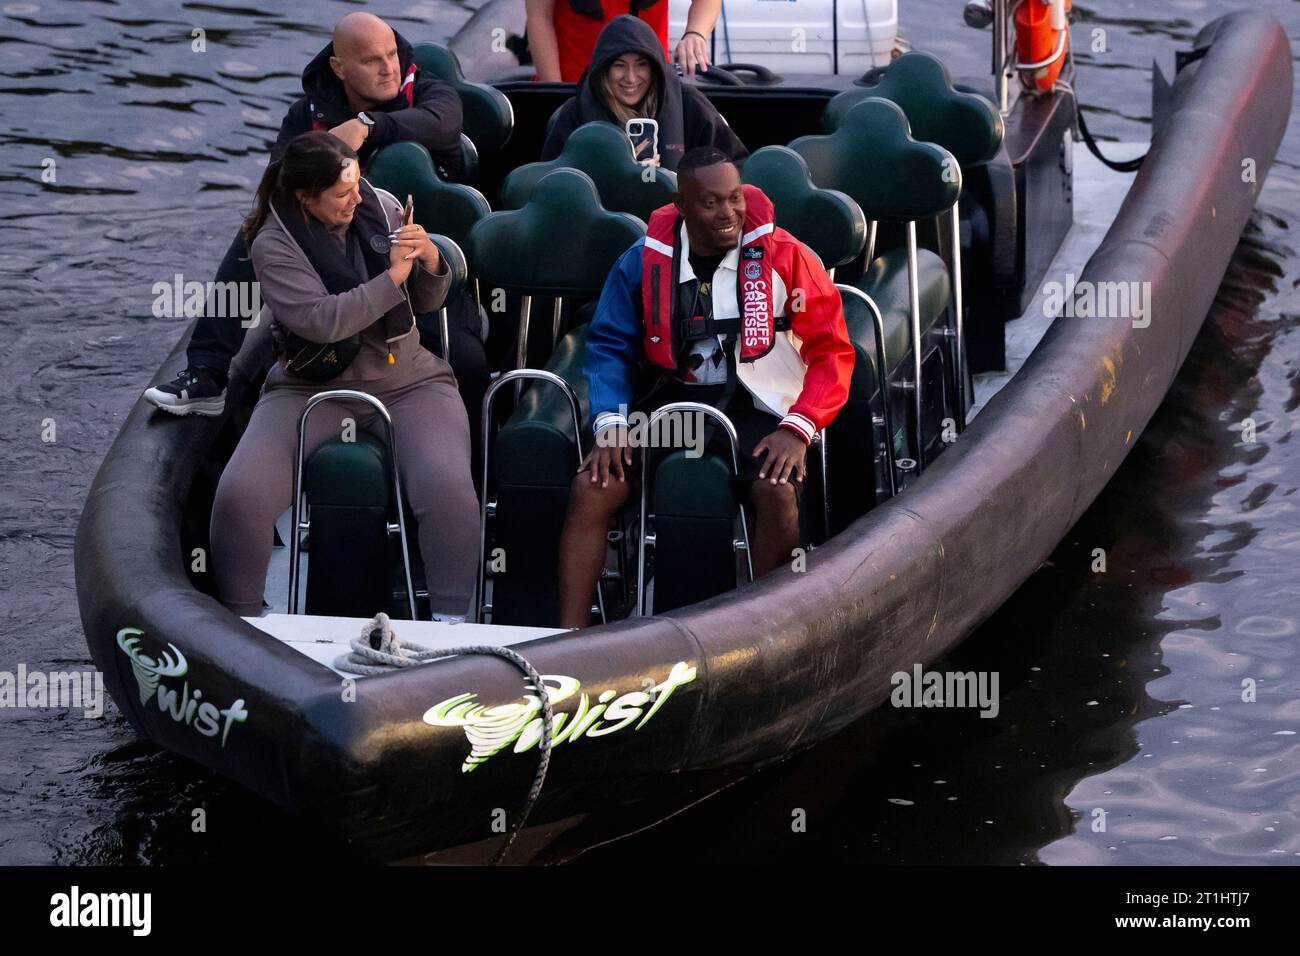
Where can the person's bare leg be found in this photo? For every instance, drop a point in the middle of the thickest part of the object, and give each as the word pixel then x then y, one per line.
pixel 776 534
pixel 583 545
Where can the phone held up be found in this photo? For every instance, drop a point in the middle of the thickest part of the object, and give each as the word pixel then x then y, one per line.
pixel 643 134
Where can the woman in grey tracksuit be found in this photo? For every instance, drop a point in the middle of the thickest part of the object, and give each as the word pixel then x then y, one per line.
pixel 319 238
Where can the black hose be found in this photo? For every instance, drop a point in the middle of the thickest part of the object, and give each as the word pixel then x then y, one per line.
pixel 1120 166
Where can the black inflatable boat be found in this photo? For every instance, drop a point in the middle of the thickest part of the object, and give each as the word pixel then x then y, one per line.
pixel 957 468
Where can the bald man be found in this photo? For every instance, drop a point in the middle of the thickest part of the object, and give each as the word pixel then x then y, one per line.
pixel 365 89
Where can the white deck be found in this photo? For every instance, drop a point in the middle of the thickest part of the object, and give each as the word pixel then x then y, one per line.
pixel 324 639
pixel 1098 193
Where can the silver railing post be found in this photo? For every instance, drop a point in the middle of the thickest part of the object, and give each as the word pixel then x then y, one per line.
pixel 444 329
pixel 962 404
pixel 914 311
pixel 521 349
pixel 882 375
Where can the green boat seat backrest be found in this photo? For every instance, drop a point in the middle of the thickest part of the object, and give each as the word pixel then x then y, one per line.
pixel 965 124
pixel 348 474
pixel 861 326
pixel 873 158
pixel 694 508
pixel 603 152
pixel 536 444
pixel 348 487
pixel 886 282
pixel 489 117
pixel 851 434
pixel 534 459
pixel 454 259
pixel 826 220
pixel 561 243
pixel 446 208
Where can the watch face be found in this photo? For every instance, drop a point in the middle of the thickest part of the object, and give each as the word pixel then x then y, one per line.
pixel 365 118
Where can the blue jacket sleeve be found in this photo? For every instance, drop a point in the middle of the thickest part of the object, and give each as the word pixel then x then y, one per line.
pixel 614 339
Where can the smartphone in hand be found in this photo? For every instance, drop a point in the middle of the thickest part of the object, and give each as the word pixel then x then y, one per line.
pixel 643 134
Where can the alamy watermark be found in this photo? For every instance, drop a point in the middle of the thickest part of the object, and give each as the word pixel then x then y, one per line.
pixel 219 300
pixel 922 688
pixel 1099 300
pixel 133 911
pixel 41 690
pixel 677 429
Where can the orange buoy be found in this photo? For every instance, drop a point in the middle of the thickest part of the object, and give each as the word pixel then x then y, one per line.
pixel 1042 39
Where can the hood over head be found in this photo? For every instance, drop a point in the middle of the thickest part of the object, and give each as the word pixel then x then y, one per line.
pixel 627 34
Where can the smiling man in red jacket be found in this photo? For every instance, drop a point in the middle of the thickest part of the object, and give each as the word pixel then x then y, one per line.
pixel 729 311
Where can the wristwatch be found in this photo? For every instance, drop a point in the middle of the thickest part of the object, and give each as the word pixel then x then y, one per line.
pixel 366 121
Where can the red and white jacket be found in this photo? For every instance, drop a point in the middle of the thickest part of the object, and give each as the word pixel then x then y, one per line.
pixel 802 373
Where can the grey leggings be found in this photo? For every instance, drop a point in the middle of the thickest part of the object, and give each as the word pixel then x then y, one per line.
pixel 431 432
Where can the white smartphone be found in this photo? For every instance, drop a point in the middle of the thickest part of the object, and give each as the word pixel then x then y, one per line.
pixel 643 134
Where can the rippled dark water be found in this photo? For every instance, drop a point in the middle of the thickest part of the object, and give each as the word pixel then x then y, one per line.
pixel 1121 691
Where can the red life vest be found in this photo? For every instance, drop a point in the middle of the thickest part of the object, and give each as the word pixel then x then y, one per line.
pixel 407 89
pixel 754 292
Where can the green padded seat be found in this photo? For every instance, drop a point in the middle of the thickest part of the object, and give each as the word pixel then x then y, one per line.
pixel 851 435
pixel 872 157
pixel 536 444
pixel 450 209
pixel 562 243
pixel 694 487
pixel 694 508
pixel 349 570
pixel 348 474
pixel 861 327
pixel 886 282
pixel 454 259
pixel 489 118
pixel 965 124
pixel 826 220
pixel 602 151
pixel 534 460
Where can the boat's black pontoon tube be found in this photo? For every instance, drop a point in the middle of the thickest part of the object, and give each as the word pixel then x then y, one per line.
pixel 743 678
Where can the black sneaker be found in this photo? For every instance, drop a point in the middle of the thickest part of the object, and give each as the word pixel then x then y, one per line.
pixel 194 391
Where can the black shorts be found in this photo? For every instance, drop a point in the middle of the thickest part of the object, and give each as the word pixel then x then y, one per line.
pixel 752 424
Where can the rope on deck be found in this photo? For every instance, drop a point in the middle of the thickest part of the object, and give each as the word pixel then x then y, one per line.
pixel 378 650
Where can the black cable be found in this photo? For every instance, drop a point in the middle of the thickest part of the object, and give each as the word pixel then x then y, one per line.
pixel 1121 166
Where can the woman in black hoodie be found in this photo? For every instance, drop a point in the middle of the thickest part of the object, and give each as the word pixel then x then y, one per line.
pixel 628 78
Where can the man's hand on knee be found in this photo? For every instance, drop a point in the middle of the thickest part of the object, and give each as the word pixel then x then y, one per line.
pixel 609 456
pixel 785 456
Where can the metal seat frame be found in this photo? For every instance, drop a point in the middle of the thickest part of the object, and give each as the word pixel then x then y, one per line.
pixel 487 509
pixel 647 537
pixel 298 526
pixel 885 419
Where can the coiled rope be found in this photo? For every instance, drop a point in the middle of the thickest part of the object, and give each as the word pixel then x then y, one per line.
pixel 380 651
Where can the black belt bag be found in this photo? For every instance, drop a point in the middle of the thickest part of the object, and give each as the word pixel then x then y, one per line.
pixel 316 362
